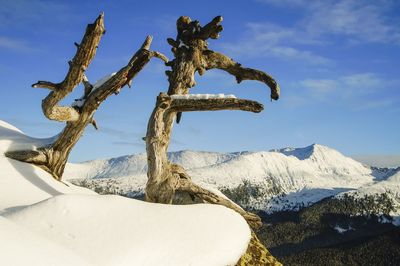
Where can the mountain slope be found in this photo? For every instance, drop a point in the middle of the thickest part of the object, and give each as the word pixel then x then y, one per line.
pixel 278 179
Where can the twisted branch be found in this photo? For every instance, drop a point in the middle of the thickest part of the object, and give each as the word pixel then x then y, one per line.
pixel 164 177
pixel 53 157
pixel 220 61
pixel 84 55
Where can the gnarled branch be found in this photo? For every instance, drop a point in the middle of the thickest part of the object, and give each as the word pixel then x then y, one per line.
pixel 192 55
pixel 53 158
pixel 185 184
pixel 221 61
pixel 190 105
pixel 84 55
pixel 164 177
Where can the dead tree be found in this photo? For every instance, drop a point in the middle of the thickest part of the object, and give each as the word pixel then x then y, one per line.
pixel 191 53
pixel 53 157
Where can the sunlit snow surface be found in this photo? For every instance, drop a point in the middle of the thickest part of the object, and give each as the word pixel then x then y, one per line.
pixel 203 96
pixel 80 102
pixel 298 176
pixel 46 222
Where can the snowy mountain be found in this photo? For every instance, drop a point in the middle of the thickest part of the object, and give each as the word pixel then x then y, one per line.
pixel 46 222
pixel 279 179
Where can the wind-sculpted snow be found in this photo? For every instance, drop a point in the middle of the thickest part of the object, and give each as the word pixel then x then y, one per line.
pixel 13 139
pixel 113 230
pixel 47 222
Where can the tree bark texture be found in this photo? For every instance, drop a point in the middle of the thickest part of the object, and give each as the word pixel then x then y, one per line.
pixel 166 178
pixel 190 49
pixel 54 157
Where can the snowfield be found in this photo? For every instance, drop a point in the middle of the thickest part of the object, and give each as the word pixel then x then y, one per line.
pixel 284 179
pixel 46 222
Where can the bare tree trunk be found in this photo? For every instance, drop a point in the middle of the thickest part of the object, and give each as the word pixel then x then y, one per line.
pixel 166 178
pixel 54 157
pixel 191 53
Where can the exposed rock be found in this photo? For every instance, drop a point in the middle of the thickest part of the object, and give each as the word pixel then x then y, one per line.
pixel 257 254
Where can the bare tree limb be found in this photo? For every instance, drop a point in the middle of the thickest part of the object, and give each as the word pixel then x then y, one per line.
pixel 46 85
pixel 192 55
pixel 54 157
pixel 164 177
pixel 84 55
pixel 221 61
pixel 187 185
pixel 190 105
pixel 212 29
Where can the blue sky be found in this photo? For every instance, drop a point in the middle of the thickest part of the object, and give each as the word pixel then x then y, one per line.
pixel 337 63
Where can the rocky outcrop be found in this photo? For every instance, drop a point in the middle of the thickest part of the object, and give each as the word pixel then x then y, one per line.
pixel 257 254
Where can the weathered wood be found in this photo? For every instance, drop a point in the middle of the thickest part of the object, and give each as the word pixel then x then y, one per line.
pixel 192 55
pixel 54 157
pixel 164 177
pixel 190 105
pixel 86 51
pixel 220 61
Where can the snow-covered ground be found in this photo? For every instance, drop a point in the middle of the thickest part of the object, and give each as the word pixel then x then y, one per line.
pixel 46 222
pixel 286 177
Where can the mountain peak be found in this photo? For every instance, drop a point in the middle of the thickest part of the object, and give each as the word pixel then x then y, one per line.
pixel 305 152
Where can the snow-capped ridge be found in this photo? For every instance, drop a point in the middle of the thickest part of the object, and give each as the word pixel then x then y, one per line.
pixel 302 174
pixel 327 160
pixel 299 153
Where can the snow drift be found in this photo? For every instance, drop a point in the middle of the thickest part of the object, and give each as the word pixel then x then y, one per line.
pixel 46 222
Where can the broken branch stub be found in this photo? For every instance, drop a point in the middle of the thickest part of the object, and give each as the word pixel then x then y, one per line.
pixel 86 51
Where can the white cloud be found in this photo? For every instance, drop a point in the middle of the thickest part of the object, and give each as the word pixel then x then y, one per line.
pixel 267 39
pixel 320 85
pixel 376 103
pixel 358 20
pixel 362 90
pixel 29 13
pixel 13 44
pixel 324 23
pixel 360 83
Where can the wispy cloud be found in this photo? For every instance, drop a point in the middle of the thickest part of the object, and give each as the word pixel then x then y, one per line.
pixel 376 103
pixel 320 88
pixel 25 12
pixel 129 143
pixel 323 23
pixel 15 45
pixel 349 85
pixel 267 39
pixel 363 90
pixel 357 21
pixel 117 133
